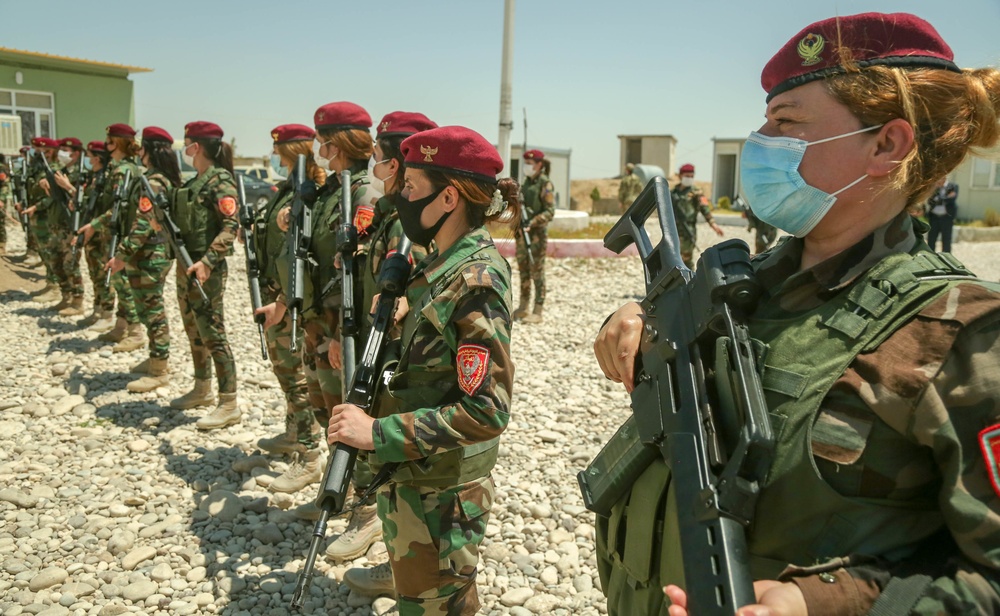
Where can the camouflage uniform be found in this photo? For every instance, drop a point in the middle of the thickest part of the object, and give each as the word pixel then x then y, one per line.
pixel 101 241
pixel 628 190
pixel 880 380
pixel 300 419
pixel 96 255
pixel 539 200
pixel 445 427
pixel 206 213
pixel 39 231
pixel 764 234
pixel 65 265
pixel 6 193
pixel 688 201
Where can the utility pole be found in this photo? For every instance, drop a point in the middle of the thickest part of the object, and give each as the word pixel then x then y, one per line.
pixel 506 87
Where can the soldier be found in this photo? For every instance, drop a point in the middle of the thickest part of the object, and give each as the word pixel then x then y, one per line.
pixel 539 200
pixel 31 257
pixel 104 300
pixel 65 262
pixel 452 389
pixel 205 211
pixel 764 234
pixel 942 208
pixel 38 212
pixel 688 201
pixel 145 254
pixel 6 194
pixel 629 188
pixel 883 357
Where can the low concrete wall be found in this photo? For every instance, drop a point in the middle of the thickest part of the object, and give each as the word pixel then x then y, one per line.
pixel 568 249
pixel 976 234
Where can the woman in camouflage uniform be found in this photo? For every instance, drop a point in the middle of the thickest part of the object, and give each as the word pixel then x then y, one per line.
pixel 540 205
pixel 883 357
pixel 452 388
pixel 104 301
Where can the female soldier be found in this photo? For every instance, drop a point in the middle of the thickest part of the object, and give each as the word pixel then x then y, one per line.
pixel 65 263
pixel 302 431
pixel 445 429
pixel 540 205
pixel 122 149
pixel 205 211
pixel 104 301
pixel 145 256
pixel 885 488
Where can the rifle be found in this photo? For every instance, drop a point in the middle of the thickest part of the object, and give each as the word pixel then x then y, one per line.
pixel 116 213
pixel 299 242
pixel 78 208
pixel 55 191
pixel 21 184
pixel 253 266
pixel 525 222
pixel 364 381
pixel 162 207
pixel 347 246
pixel 697 402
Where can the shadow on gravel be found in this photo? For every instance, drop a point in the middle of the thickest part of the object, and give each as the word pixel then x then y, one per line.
pixel 77 345
pixel 56 326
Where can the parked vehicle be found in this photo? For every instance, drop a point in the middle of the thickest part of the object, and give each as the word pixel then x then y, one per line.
pixel 258 191
pixel 259 172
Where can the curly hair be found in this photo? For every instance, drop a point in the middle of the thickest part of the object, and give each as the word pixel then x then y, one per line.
pixel 290 150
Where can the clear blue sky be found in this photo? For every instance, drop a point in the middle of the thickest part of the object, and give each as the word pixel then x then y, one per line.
pixel 586 70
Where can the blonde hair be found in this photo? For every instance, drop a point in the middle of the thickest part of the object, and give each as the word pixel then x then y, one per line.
pixel 354 143
pixel 125 144
pixel 290 150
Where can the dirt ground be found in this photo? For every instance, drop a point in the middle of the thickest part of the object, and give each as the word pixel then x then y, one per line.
pixel 15 278
pixel 580 190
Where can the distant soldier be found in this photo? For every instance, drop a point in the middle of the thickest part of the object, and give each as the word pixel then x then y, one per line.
pixel 942 207
pixel 38 212
pixel 630 187
pixel 6 193
pixel 66 263
pixel 538 199
pixel 764 234
pixel 688 201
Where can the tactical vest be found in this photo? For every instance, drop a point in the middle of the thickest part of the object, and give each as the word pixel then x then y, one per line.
pixel 198 221
pixel 412 389
pixel 115 172
pixel 531 194
pixel 685 209
pixel 269 239
pixel 130 211
pixel 326 222
pixel 378 249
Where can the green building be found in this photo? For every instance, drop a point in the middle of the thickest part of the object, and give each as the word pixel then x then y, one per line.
pixel 61 97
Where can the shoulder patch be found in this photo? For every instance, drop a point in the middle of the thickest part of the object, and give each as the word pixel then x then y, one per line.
pixel 145 205
pixel 472 362
pixel 227 205
pixel 363 217
pixel 989 444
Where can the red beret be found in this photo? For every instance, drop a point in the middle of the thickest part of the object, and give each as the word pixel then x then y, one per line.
pixel 341 116
pixel 96 146
pixel 400 123
pixel 155 133
pixel 44 142
pixel 687 168
pixel 71 142
pixel 453 149
pixel 292 132
pixel 24 149
pixel 202 130
pixel 534 155
pixel 893 39
pixel 120 130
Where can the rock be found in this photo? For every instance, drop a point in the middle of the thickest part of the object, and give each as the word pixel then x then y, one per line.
pixel 139 591
pixel 245 465
pixel 55 393
pixel 138 445
pixel 222 505
pixel 9 429
pixel 549 576
pixel 118 510
pixel 47 578
pixel 542 604
pixel 196 575
pixel 18 498
pixel 161 573
pixel 269 534
pixel 136 556
pixel 549 436
pixel 271 585
pixel 66 404
pixel 112 609
pixel 78 589
pixel 516 596
pixel 121 541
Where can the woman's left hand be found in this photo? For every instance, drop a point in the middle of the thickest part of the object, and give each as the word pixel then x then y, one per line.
pixel 200 271
pixel 333 355
pixel 774 599
pixel 116 265
pixel 351 426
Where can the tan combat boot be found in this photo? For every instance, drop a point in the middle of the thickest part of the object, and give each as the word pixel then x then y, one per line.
pixel 364 530
pixel 104 322
pixel 75 307
pixel 64 301
pixel 49 294
pixel 226 413
pixel 371 581
pixel 200 395
pixel 135 338
pixel 280 444
pixel 305 470
pixel 117 333
pixel 535 316
pixel 158 375
pixel 32 260
pixel 141 367
pixel 522 307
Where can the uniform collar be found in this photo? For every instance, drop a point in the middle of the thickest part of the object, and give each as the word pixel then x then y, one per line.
pixel 439 264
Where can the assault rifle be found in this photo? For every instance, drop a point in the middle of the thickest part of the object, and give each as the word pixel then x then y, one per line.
pixel 525 228
pixel 55 191
pixel 363 384
pixel 247 216
pixel 78 214
pixel 162 209
pixel 347 246
pixel 299 243
pixel 697 402
pixel 121 195
pixel 21 185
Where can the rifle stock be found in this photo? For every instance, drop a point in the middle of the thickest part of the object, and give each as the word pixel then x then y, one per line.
pixel 253 265
pixel 121 194
pixel 21 181
pixel 162 208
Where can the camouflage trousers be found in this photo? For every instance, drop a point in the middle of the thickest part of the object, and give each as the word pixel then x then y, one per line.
pixel 687 251
pixel 65 265
pixel 104 297
pixel 535 270
pixel 205 327
pixel 146 273
pixel 101 244
pixel 433 536
pixel 42 235
pixel 4 200
pixel 300 419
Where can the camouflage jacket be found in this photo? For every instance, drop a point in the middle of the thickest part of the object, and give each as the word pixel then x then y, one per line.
pixel 629 189
pixel 688 201
pixel 114 175
pixel 914 421
pixel 455 375
pixel 539 200
pixel 141 225
pixel 214 202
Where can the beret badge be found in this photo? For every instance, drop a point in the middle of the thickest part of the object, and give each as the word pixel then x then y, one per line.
pixel 810 48
pixel 428 153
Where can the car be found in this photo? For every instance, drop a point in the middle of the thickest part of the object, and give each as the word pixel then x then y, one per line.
pixel 258 191
pixel 259 172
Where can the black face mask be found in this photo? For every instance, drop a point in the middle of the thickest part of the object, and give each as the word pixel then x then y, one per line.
pixel 409 218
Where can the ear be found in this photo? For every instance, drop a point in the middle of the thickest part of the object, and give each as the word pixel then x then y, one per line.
pixel 451 198
pixel 893 142
pixel 393 167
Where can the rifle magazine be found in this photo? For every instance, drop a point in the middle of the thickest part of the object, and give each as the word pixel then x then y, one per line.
pixel 615 468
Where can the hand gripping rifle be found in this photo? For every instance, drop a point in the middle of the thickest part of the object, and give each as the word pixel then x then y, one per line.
pixel 393 277
pixel 162 208
pixel 525 228
pixel 299 243
pixel 697 402
pixel 253 265
pixel 79 216
pixel 121 195
pixel 55 191
pixel 21 184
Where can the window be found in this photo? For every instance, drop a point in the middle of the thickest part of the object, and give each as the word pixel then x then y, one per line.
pixel 36 110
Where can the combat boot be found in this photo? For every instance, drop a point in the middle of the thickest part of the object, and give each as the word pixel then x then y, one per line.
pixel 141 367
pixel 200 395
pixel 49 294
pixel 75 307
pixel 535 316
pixel 364 530
pixel 64 301
pixel 305 470
pixel 280 444
pixel 134 339
pixel 158 375
pixel 32 260
pixel 522 307
pixel 103 322
pixel 371 581
pixel 117 333
pixel 226 413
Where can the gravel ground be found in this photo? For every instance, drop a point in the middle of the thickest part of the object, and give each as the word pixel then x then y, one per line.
pixel 112 503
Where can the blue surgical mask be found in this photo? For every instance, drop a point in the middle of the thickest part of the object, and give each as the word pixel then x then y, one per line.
pixel 278 167
pixel 774 188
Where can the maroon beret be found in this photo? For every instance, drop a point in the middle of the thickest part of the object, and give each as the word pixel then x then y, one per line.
pixel 44 142
pixel 341 116
pixel 453 149
pixel 71 142
pixel 687 168
pixel 120 130
pixel 404 123
pixel 870 39
pixel 24 149
pixel 202 130
pixel 96 146
pixel 534 155
pixel 155 133
pixel 292 132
